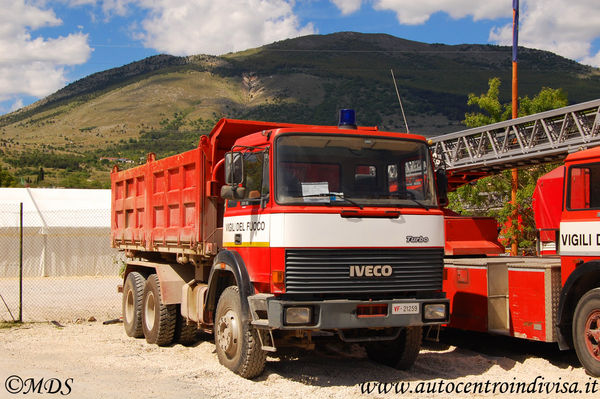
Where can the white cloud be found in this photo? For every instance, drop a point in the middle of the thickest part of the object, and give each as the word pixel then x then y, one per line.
pixel 183 27
pixel 17 104
pixel 36 79
pixel 410 12
pixel 110 7
pixel 34 66
pixel 593 60
pixel 566 29
pixel 347 6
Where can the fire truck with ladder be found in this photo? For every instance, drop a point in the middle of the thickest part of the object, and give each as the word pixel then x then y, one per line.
pixel 273 234
pixel 553 297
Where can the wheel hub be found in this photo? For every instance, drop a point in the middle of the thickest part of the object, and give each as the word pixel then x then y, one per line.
pixel 592 334
pixel 228 333
pixel 150 310
pixel 129 307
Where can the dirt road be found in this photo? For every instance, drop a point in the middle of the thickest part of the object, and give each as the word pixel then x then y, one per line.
pixel 100 361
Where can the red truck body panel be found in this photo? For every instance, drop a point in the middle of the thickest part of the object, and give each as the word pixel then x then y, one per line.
pixel 547 207
pixel 471 236
pixel 159 203
pixel 516 296
pixel 466 286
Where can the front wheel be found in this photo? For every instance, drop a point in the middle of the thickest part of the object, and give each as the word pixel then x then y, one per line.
pixel 238 345
pixel 586 331
pixel 399 353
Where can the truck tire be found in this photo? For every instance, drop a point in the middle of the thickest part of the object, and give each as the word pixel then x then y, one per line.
pixel 238 345
pixel 133 291
pixel 158 319
pixel 185 333
pixel 586 331
pixel 399 353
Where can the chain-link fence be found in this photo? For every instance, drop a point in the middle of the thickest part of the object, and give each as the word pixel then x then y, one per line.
pixel 69 271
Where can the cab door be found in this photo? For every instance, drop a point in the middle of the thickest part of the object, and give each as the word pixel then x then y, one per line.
pixel 580 222
pixel 246 223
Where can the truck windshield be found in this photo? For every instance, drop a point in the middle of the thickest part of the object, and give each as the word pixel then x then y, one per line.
pixel 353 171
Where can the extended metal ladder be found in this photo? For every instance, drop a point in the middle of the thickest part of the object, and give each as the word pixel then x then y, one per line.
pixel 545 137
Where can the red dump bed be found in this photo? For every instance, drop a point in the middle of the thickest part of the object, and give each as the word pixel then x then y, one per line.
pixel 159 204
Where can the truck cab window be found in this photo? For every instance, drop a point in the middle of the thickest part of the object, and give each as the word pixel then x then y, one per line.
pixel 415 179
pixel 326 170
pixel 584 187
pixel 255 170
pixel 392 176
pixel 365 178
pixel 298 177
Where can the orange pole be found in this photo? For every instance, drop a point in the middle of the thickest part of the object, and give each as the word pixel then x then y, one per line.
pixel 515 114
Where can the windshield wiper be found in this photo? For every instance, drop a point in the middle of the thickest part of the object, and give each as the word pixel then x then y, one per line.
pixel 410 196
pixel 335 196
pixel 422 205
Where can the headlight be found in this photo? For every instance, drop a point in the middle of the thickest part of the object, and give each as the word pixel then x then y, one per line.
pixel 434 311
pixel 298 315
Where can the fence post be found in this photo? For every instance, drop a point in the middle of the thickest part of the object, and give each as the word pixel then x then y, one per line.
pixel 21 264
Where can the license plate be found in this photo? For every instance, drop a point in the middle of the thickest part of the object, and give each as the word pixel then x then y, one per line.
pixel 405 308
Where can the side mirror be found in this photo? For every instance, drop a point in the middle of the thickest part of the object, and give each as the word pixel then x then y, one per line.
pixel 227 192
pixel 234 168
pixel 230 193
pixel 442 186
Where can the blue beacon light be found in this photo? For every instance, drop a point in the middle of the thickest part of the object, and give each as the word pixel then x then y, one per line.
pixel 347 119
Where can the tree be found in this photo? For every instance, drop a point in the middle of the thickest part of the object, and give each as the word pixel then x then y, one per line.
pixel 490 103
pixel 7 179
pixel 490 196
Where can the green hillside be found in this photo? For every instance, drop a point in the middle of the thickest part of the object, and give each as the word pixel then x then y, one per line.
pixel 164 103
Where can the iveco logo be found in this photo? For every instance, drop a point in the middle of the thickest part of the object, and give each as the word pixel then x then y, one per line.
pixel 370 270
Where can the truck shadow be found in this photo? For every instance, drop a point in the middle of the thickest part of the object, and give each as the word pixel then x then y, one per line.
pixel 457 354
pixel 338 364
pixel 497 346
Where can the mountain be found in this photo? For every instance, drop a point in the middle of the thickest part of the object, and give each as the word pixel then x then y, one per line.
pixel 164 103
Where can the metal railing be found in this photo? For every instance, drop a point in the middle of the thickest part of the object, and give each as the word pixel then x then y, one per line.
pixel 539 138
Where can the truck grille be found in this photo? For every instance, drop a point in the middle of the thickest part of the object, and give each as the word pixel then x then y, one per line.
pixel 320 271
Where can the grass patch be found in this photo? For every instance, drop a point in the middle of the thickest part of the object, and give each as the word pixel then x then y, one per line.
pixel 9 324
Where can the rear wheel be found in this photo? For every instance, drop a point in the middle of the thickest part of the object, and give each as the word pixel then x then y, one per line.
pixel 158 319
pixel 186 333
pixel 399 353
pixel 238 345
pixel 133 291
pixel 586 331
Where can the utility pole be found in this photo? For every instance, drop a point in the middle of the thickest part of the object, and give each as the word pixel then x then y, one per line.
pixel 515 114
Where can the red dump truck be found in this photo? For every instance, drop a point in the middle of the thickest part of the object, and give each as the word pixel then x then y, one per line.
pixel 554 297
pixel 273 234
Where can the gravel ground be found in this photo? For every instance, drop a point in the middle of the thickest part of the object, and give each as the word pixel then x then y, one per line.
pixel 102 362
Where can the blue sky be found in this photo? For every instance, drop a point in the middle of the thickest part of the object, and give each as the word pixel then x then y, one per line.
pixel 45 45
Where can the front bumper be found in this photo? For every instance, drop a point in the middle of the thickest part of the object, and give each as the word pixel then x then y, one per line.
pixel 346 314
